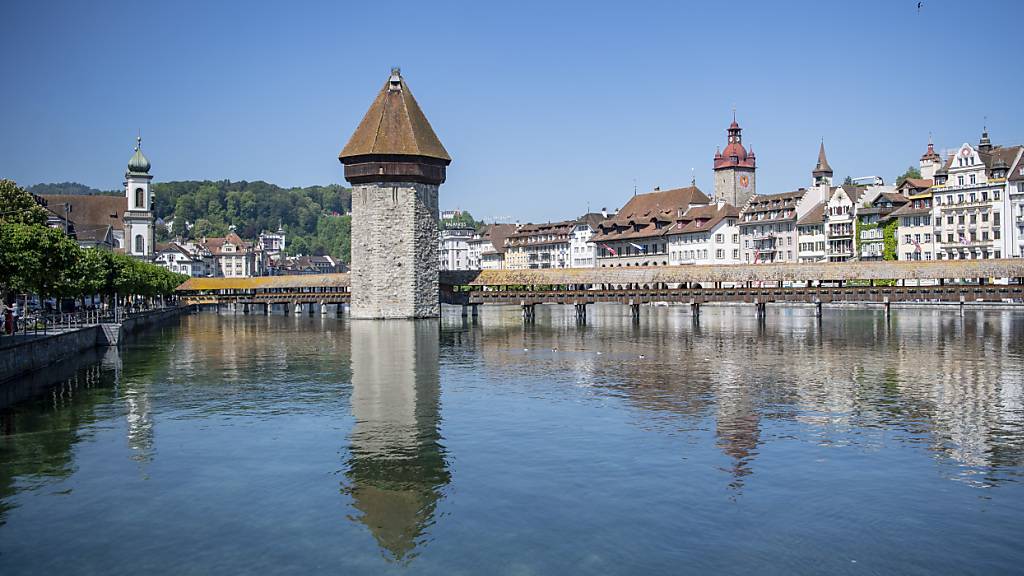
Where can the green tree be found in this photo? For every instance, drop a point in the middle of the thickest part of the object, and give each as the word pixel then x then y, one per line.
pixel 35 259
pixel 18 206
pixel 910 173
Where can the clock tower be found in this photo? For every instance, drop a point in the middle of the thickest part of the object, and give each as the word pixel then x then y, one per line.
pixel 735 169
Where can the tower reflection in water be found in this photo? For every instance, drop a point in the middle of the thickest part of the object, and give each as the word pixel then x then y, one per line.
pixel 396 471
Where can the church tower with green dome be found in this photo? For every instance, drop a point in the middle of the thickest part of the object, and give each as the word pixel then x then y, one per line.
pixel 139 240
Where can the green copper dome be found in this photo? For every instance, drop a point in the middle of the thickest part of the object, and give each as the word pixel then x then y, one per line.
pixel 139 164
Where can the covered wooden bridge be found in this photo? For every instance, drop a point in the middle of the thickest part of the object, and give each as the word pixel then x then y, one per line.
pixel 957 281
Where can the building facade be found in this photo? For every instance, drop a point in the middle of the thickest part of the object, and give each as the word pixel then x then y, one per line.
pixel 538 246
pixel 454 247
pixel 705 235
pixel 811 244
pixel 636 235
pixel 972 204
pixel 582 251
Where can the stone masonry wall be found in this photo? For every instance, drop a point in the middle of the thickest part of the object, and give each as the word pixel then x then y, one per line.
pixel 394 251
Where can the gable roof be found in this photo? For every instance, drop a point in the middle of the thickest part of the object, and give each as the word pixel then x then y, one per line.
pixel 816 215
pixel 395 125
pixel 645 214
pixel 90 210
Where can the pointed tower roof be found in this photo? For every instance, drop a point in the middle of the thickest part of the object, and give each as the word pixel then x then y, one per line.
pixel 394 126
pixel 822 169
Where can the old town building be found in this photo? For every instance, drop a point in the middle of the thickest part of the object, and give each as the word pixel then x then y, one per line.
pixel 839 216
pixel 875 222
pixel 636 235
pixel 453 246
pixel 705 235
pixel 544 245
pixel 179 259
pixel 972 203
pixel 491 246
pixel 1015 191
pixel 811 235
pixel 582 251
pixel 915 228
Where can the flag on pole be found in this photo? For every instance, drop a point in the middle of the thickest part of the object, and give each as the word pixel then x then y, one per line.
pixel 610 249
pixel 638 247
pixel 917 246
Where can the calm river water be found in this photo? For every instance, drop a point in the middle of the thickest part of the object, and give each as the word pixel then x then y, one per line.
pixel 300 445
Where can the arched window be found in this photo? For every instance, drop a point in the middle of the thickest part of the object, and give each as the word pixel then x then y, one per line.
pixel 140 198
pixel 140 244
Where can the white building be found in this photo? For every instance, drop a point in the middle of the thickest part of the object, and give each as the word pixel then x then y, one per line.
pixel 181 260
pixel 972 201
pixel 705 235
pixel 453 247
pixel 582 250
pixel 811 235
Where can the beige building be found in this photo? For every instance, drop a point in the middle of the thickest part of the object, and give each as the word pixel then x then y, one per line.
pixel 536 246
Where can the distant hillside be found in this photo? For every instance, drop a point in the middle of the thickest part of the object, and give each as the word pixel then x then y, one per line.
pixel 315 218
pixel 69 188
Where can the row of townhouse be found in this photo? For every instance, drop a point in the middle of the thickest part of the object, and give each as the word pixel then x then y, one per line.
pixel 969 205
pixel 232 257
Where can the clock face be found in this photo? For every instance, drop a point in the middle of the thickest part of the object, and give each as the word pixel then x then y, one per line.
pixel 744 181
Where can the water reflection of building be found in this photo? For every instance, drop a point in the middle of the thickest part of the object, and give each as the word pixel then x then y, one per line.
pixel 396 471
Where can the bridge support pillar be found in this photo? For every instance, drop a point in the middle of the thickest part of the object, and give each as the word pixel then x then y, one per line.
pixel 267 309
pixel 695 308
pixel 529 312
pixel 817 308
pixel 298 308
pixel 245 309
pixel 310 307
pixel 888 307
pixel 323 308
pixel 961 305
pixel 634 310
pixel 581 312
pixel 465 310
pixel 474 310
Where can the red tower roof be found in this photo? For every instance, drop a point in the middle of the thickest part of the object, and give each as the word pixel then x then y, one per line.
pixel 734 155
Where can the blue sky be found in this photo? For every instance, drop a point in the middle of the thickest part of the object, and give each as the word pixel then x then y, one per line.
pixel 545 107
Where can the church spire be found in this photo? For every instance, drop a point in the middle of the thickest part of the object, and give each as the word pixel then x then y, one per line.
pixel 822 168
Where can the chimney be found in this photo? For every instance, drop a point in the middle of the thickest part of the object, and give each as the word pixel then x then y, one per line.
pixel 604 212
pixel 657 188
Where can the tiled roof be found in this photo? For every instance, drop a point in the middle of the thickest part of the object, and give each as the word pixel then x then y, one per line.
pixel 815 216
pixel 703 218
pixel 496 235
pixel 637 218
pixel 90 211
pixel 394 124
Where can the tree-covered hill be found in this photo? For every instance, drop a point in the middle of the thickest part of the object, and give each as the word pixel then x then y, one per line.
pixel 70 188
pixel 315 218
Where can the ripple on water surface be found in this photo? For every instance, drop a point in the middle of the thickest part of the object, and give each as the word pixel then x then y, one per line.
pixel 297 444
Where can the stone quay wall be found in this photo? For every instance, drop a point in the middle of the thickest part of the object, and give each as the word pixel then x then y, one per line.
pixel 20 358
pixel 394 251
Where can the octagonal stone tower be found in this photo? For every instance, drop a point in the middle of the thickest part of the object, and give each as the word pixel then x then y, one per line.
pixel 395 164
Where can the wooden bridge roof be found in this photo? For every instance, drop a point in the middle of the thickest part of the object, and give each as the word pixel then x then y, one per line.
pixel 880 270
pixel 877 270
pixel 338 280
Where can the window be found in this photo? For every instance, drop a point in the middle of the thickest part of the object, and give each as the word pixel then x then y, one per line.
pixel 960 182
pixel 719 238
pixel 972 182
pixel 974 218
pixel 140 243
pixel 984 216
pixel 949 219
pixel 140 198
pixel 720 254
pixel 736 254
